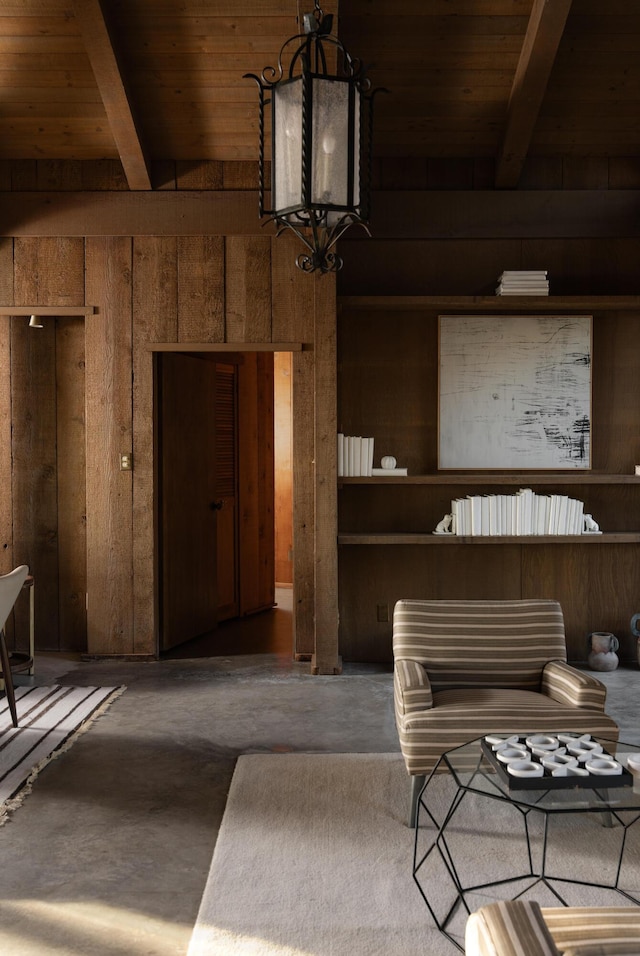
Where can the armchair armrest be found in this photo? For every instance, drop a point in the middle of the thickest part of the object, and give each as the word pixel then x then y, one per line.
pixel 509 928
pixel 412 688
pixel 567 685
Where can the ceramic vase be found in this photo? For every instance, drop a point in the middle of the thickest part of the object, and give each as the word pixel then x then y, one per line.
pixel 602 653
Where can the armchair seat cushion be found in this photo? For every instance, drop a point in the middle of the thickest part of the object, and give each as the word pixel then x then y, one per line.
pixel 458 716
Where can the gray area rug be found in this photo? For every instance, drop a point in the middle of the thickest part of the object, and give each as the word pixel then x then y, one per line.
pixel 314 859
pixel 49 720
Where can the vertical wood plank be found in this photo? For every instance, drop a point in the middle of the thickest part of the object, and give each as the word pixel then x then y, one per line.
pixel 303 505
pixel 70 432
pixel 585 172
pixel 248 289
pixel 110 571
pixel 49 271
pixel 292 293
pixel 6 498
pixel 34 478
pixel 247 491
pixel 103 174
pixel 59 174
pixel 201 289
pixel 326 659
pixel 163 174
pixel 624 172
pixel 244 175
pixel 24 175
pixel 200 174
pixel 155 309
pixel 266 478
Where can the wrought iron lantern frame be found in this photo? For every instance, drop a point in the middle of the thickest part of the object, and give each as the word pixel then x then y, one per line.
pixel 319 225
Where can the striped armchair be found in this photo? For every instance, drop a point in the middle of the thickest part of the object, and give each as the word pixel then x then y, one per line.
pixel 463 669
pixel 514 927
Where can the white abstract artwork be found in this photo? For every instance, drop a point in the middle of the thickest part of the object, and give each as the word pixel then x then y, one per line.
pixel 515 392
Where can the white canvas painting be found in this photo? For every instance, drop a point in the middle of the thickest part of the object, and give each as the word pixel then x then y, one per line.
pixel 515 391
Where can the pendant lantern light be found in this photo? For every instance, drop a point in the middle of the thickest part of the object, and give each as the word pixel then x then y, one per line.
pixel 321 126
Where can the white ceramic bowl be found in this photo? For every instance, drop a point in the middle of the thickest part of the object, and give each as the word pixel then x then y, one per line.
pixel 507 754
pixel 542 741
pixel 525 768
pixel 603 765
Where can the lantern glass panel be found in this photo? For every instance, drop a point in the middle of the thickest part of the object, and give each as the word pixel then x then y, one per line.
pixel 333 129
pixel 287 145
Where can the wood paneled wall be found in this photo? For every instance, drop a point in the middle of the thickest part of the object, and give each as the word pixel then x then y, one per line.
pixel 79 385
pixel 229 289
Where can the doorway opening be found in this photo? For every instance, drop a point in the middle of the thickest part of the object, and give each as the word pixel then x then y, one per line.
pixel 224 503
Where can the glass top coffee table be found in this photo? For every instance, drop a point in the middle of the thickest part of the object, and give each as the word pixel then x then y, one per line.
pixel 485 833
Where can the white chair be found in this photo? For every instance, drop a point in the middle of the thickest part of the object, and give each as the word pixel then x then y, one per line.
pixel 10 586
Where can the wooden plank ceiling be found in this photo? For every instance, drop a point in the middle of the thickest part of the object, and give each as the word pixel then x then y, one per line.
pixel 148 80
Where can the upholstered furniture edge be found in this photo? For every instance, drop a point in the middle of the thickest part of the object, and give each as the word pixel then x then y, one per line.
pixel 567 685
pixel 509 928
pixel 512 927
pixel 412 691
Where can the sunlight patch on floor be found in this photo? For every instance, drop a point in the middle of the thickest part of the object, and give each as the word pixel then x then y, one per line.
pixel 32 927
pixel 208 940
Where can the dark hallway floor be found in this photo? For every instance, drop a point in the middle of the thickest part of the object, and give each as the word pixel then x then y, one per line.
pixel 267 632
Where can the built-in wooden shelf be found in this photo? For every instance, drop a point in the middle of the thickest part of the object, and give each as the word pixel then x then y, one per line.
pixel 387 373
pixel 394 537
pixel 491 478
pixel 488 303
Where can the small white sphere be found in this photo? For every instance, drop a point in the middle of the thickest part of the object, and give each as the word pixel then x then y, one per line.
pixel 388 461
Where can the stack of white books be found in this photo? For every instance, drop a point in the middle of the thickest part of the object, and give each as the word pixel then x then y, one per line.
pixel 355 456
pixel 523 282
pixel 523 513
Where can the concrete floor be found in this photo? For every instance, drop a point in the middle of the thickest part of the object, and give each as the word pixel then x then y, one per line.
pixel 109 854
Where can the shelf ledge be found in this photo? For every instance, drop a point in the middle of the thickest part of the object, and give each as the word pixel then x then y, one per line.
pixel 422 538
pixel 498 478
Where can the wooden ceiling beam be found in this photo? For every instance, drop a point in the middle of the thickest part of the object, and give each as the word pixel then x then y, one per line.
pixel 116 101
pixel 430 214
pixel 544 32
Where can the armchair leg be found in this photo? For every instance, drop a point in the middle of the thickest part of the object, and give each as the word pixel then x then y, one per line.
pixel 417 783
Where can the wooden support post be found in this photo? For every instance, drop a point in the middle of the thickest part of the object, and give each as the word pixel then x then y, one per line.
pixel 325 659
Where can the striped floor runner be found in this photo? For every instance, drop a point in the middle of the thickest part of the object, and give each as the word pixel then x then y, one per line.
pixel 49 719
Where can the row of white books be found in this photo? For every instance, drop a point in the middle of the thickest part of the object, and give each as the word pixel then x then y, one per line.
pixel 355 456
pixel 522 513
pixel 523 282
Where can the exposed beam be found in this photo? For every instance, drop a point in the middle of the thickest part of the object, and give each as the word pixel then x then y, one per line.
pixel 115 99
pixel 470 214
pixel 544 32
pixel 159 213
